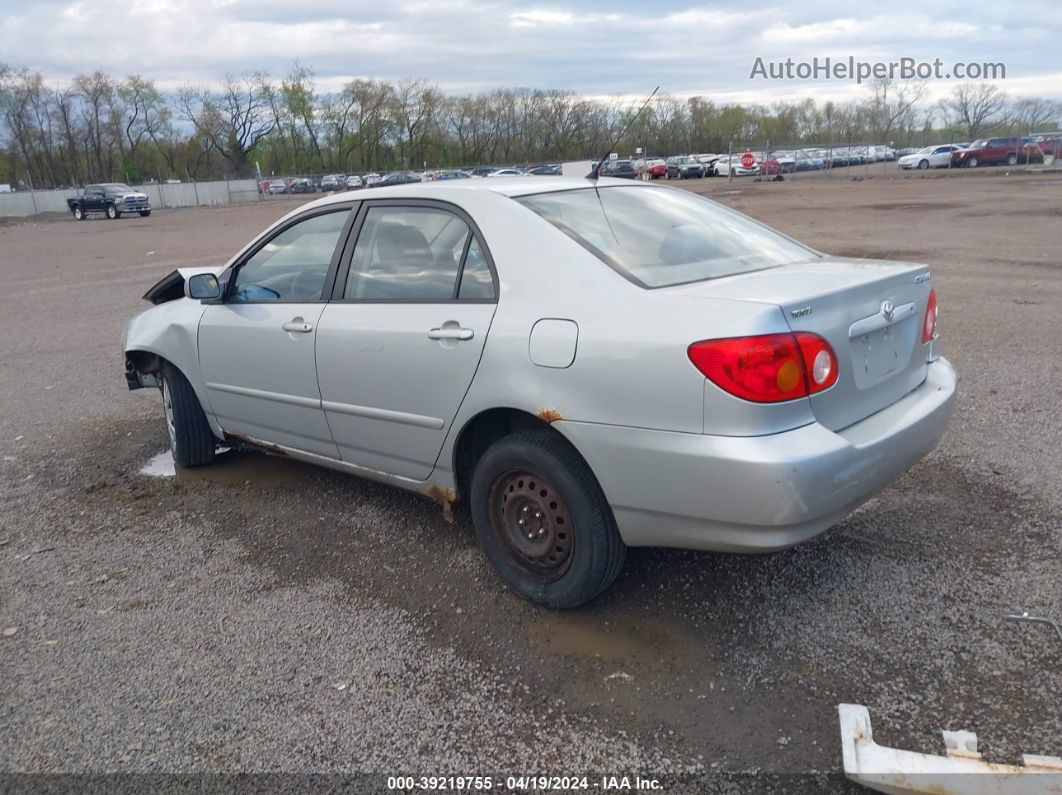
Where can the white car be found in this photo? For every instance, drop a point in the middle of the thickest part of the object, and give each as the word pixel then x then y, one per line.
pixel 725 165
pixel 507 172
pixel 354 182
pixel 930 157
pixel 588 365
pixel 371 179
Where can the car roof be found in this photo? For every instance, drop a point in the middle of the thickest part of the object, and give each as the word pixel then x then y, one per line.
pixel 505 186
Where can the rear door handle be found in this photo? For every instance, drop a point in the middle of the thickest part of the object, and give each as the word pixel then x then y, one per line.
pixel 450 334
pixel 297 326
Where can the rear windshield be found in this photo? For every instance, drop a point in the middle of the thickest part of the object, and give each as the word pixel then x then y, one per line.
pixel 660 237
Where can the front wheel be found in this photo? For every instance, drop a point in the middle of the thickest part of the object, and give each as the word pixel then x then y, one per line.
pixel 79 214
pixel 543 522
pixel 923 164
pixel 112 212
pixel 191 440
pixel 1012 160
pixel 145 213
pixel 971 163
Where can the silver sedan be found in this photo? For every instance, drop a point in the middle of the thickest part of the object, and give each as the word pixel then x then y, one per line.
pixel 588 366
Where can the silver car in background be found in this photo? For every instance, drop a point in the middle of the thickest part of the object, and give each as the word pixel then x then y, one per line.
pixel 589 365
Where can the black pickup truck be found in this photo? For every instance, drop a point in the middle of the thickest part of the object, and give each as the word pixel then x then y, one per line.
pixel 110 198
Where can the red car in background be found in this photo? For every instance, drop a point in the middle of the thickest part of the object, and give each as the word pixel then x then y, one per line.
pixel 1049 144
pixel 994 151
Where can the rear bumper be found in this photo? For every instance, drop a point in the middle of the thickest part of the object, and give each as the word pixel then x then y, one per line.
pixel 758 493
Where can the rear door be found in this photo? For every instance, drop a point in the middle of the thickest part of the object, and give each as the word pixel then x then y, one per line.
pixel 399 344
pixel 256 348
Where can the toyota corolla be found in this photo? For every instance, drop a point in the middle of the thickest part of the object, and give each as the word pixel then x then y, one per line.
pixel 588 365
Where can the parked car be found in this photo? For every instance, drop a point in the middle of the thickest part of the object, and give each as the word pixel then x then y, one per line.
pixel 482 171
pixel 759 399
pixel 621 169
pixel 354 182
pixel 302 185
pixel 545 171
pixel 276 186
pixel 506 172
pixel 996 151
pixel 370 179
pixel 732 163
pixel 109 198
pixel 684 167
pixel 395 179
pixel 1050 144
pixel 938 156
pixel 445 175
pixel 331 183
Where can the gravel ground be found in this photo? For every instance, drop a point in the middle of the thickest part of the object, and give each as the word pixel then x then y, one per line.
pixel 262 615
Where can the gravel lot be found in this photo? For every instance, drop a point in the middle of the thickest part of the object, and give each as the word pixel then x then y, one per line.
pixel 263 615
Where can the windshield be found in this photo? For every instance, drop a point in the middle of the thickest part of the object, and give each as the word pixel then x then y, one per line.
pixel 660 237
pixel 978 144
pixel 118 188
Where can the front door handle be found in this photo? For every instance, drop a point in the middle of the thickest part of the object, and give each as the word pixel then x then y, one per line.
pixel 297 326
pixel 455 333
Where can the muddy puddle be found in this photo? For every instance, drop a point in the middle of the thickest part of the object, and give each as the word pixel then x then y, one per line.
pixel 628 642
pixel 232 468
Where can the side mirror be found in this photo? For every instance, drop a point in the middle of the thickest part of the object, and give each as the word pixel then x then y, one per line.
pixel 204 287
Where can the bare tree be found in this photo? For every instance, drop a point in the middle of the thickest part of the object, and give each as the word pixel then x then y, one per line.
pixel 977 106
pixel 235 120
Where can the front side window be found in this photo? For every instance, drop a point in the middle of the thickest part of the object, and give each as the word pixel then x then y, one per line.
pixel 293 265
pixel 660 237
pixel 407 254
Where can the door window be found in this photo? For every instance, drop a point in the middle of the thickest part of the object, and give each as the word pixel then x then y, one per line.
pixel 407 254
pixel 293 265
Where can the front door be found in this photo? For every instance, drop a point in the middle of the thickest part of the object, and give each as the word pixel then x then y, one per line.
pixel 400 342
pixel 256 349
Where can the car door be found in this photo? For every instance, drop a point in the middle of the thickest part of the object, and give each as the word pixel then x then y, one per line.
pixel 256 346
pixel 399 344
pixel 93 199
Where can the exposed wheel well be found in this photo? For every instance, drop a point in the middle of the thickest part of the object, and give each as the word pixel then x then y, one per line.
pixel 486 428
pixel 144 361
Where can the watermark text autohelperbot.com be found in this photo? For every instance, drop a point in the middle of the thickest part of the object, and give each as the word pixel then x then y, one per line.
pixel 852 69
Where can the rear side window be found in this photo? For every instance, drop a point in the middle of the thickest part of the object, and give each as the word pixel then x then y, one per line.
pixel 408 254
pixel 660 237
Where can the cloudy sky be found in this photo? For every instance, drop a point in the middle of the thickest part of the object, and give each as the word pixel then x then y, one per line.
pixel 621 47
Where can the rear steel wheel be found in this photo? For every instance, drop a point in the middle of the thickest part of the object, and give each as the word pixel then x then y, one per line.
pixel 542 520
pixel 532 523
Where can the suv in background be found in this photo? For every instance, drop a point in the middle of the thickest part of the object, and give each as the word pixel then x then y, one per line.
pixel 623 169
pixel 684 167
pixel 993 151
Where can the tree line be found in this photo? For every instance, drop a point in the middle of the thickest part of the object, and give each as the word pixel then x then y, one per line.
pixel 97 127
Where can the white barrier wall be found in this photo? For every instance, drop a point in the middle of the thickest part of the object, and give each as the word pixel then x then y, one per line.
pixel 184 194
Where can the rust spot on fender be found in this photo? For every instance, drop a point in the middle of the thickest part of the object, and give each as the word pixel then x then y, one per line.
pixel 549 415
pixel 445 498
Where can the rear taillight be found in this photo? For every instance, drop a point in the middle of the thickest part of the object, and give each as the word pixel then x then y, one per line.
pixel 929 325
pixel 769 368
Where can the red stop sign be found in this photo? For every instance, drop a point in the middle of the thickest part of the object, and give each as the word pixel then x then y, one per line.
pixel 747 160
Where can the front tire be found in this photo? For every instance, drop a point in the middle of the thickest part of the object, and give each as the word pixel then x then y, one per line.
pixel 542 520
pixel 191 440
pixel 79 214
pixel 923 164
pixel 971 163
pixel 112 212
pixel 145 213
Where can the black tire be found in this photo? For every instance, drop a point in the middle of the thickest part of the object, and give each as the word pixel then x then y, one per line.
pixel 79 215
pixel 112 212
pixel 923 164
pixel 972 162
pixel 145 213
pixel 1012 160
pixel 191 440
pixel 593 551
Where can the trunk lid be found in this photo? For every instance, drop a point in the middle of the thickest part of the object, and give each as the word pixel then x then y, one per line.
pixel 870 311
